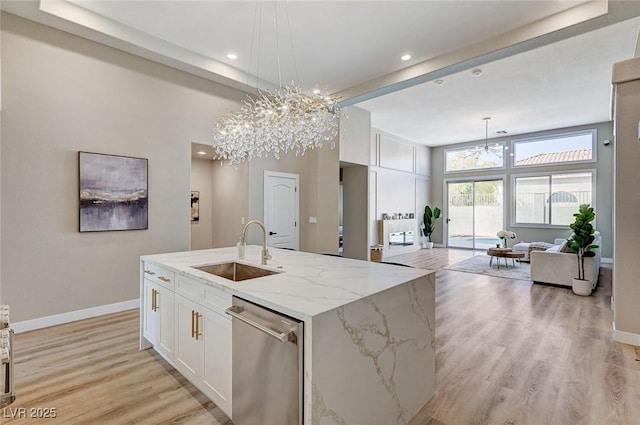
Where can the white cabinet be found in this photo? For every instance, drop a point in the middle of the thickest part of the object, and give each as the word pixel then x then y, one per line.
pixel 203 349
pixel 188 339
pixel 158 317
pixel 151 319
pixel 157 310
pixel 184 320
pixel 216 374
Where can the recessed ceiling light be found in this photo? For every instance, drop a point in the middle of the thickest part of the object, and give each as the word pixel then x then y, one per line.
pixel 439 82
pixel 405 57
pixel 202 153
pixel 232 56
pixel 476 72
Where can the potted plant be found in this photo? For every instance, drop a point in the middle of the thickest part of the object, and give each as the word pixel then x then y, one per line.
pixel 429 224
pixel 581 241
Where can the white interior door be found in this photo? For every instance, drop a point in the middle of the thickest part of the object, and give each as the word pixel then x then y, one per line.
pixel 281 205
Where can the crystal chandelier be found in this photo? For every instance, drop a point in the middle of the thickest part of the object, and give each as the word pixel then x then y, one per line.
pixel 286 120
pixel 276 122
pixel 496 149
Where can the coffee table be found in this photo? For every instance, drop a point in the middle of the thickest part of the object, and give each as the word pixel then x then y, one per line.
pixel 505 253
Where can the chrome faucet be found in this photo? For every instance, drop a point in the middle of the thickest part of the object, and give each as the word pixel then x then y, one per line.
pixel 243 239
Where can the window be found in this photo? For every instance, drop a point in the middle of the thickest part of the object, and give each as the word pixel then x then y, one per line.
pixel 561 148
pixel 474 158
pixel 552 199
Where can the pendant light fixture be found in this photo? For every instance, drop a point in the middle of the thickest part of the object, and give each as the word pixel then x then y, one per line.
pixel 497 149
pixel 277 122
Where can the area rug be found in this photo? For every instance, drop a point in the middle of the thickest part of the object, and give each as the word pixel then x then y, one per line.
pixel 479 264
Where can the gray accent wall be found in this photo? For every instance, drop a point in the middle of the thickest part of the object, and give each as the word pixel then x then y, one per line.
pixel 202 181
pixel 237 192
pixel 603 190
pixel 62 94
pixel 1 299
pixel 318 195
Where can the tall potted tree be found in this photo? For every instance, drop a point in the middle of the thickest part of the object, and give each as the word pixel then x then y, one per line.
pixel 429 224
pixel 581 241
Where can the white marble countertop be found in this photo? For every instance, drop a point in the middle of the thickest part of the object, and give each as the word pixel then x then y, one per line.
pixel 308 285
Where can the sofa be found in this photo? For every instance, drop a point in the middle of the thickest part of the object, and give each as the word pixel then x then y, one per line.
pixel 558 265
pixel 526 248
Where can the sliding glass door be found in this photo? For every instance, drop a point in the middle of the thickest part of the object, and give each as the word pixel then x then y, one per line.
pixel 475 213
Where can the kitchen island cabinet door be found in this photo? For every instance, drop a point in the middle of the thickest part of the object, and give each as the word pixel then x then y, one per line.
pixel 203 350
pixel 158 318
pixel 151 316
pixel 217 359
pixel 189 349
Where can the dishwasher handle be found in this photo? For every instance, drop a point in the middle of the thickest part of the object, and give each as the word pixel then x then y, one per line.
pixel 234 311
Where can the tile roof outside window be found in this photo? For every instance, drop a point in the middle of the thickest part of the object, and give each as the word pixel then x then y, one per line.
pixel 555 157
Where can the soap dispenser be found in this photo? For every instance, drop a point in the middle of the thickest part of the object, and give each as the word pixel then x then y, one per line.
pixel 241 248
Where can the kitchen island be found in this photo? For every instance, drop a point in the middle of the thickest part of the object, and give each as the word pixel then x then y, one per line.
pixel 369 355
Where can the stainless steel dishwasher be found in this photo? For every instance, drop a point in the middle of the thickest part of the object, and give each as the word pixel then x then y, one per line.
pixel 267 366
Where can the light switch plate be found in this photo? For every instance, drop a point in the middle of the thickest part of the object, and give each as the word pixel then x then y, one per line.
pixel 313 219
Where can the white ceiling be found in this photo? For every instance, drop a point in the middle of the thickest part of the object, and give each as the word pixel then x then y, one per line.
pixel 353 47
pixel 337 44
pixel 563 84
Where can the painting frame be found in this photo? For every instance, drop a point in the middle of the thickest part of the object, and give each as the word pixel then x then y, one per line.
pixel 195 206
pixel 113 192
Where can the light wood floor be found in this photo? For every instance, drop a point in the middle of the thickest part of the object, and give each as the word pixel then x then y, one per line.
pixel 92 372
pixel 508 352
pixel 513 352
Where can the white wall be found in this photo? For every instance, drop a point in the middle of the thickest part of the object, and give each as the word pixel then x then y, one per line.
pixel 355 132
pixel 423 198
pixel 401 172
pixel 626 270
pixel 202 181
pixel 62 94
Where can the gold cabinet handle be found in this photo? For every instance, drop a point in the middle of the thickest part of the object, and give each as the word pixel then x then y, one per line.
pixel 193 321
pixel 149 272
pixel 198 334
pixel 153 299
pixel 164 279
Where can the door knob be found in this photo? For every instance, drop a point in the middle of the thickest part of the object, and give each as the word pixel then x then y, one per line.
pixel 272 233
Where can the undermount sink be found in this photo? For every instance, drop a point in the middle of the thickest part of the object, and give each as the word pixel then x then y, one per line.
pixel 235 271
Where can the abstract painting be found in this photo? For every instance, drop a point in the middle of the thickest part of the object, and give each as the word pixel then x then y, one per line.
pixel 113 192
pixel 195 205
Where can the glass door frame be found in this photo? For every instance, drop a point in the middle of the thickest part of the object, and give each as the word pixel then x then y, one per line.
pixel 473 180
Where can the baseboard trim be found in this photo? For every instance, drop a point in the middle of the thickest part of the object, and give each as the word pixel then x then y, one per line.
pixel 72 316
pixel 606 260
pixel 625 337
